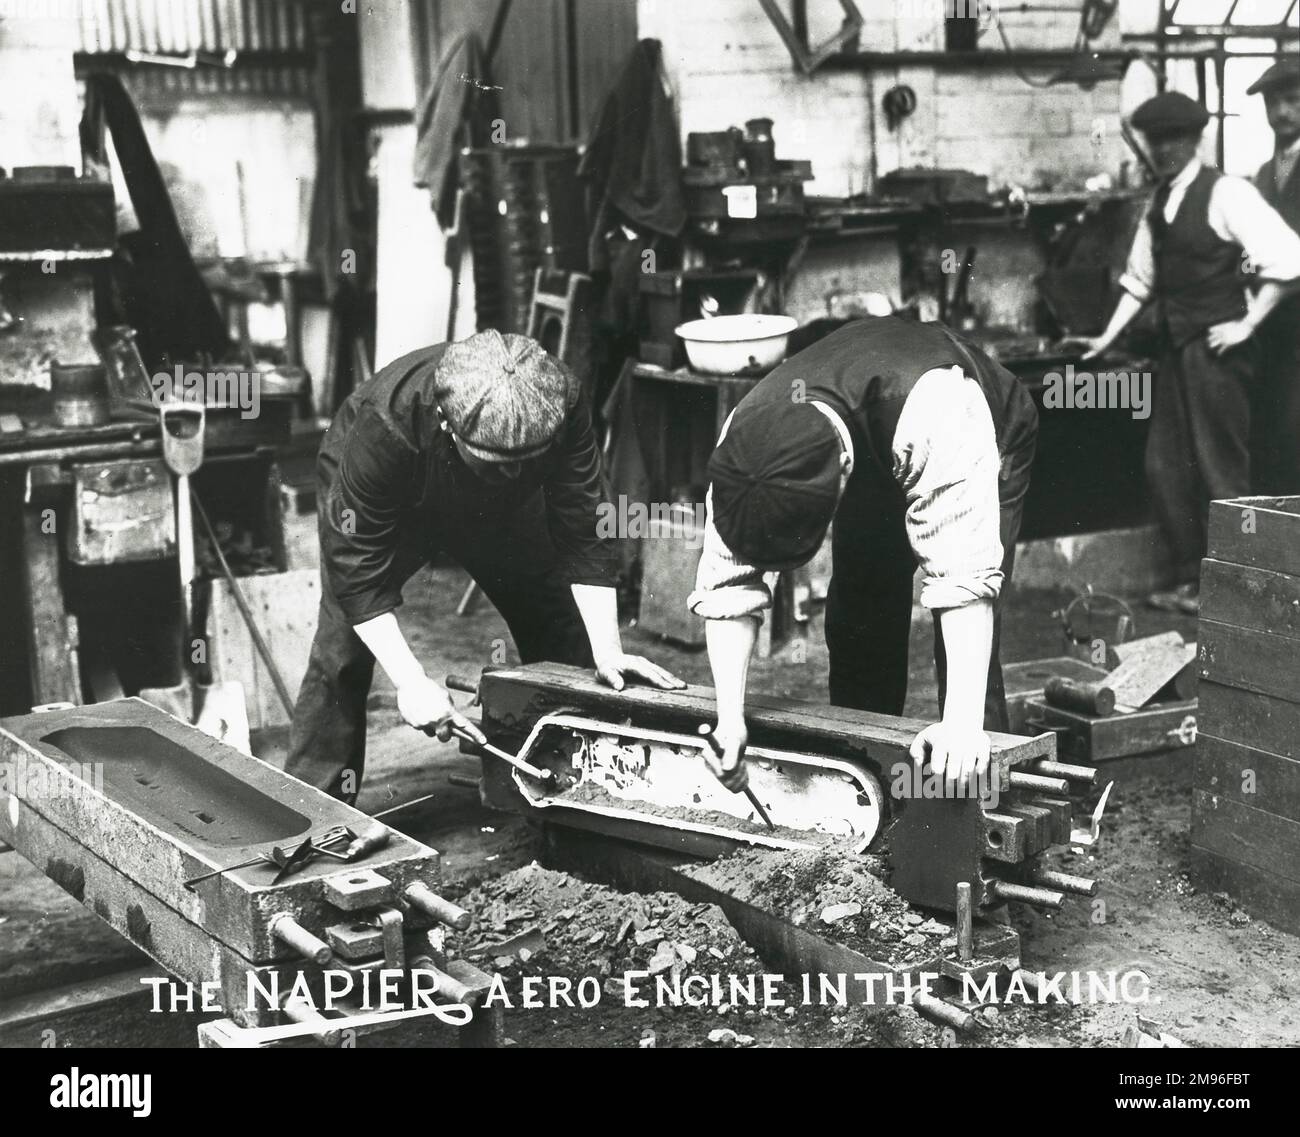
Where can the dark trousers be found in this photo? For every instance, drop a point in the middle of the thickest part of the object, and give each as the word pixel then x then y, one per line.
pixel 511 559
pixel 1275 465
pixel 1198 448
pixel 869 604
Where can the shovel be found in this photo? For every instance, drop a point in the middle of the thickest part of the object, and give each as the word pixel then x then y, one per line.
pixel 217 709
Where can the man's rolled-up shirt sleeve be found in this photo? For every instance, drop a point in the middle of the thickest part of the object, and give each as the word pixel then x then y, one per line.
pixel 725 587
pixel 359 523
pixel 579 515
pixel 946 461
pixel 1138 278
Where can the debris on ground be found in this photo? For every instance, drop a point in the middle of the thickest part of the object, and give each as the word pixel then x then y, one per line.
pixel 574 927
pixel 840 894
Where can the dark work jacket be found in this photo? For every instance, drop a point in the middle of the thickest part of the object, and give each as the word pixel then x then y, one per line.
pixel 1199 279
pixel 393 486
pixel 867 369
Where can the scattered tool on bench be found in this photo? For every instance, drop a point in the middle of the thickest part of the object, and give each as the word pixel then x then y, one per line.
pixel 287 862
pixel 706 732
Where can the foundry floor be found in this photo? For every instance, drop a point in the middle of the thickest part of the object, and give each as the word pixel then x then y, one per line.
pixel 1217 977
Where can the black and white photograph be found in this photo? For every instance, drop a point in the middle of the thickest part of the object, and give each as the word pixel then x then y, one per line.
pixel 651 524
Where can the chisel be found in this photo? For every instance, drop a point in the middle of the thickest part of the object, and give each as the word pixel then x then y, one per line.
pixel 706 732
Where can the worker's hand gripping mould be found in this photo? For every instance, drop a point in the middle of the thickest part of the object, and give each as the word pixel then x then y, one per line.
pixel 919 446
pixel 484 450
pixel 1202 238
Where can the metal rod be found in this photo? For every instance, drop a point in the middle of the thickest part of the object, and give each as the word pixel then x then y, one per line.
pixel 463 685
pixel 430 903
pixel 1028 894
pixel 945 1014
pixel 286 929
pixel 1049 769
pixel 965 924
pixel 1066 882
pixel 303 1012
pixel 241 602
pixel 449 989
pixel 1038 783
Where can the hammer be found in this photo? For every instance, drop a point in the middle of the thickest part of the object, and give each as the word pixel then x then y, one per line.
pixel 706 732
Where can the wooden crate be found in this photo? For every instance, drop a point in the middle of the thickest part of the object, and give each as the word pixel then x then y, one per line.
pixel 285 606
pixel 1246 804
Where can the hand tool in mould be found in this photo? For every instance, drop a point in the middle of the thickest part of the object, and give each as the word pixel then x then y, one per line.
pixel 496 752
pixel 706 732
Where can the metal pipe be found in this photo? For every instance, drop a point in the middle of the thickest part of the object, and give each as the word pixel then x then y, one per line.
pixel 303 1012
pixel 430 903
pixel 1048 769
pixel 450 989
pixel 1066 882
pixel 965 924
pixel 461 684
pixel 1028 894
pixel 287 930
pixel 944 1014
pixel 1038 783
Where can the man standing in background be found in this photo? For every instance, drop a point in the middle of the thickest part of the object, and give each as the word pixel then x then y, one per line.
pixel 1204 235
pixel 1278 182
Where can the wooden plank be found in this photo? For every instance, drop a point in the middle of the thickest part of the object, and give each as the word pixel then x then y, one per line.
pixel 1152 730
pixel 1263 781
pixel 1263 894
pixel 1251 598
pixel 1262 532
pixel 191 825
pixel 1143 673
pixel 51 638
pixel 1118 653
pixel 285 606
pixel 516 697
pixel 670 555
pixel 86 994
pixel 1253 660
pixel 1262 721
pixel 1248 836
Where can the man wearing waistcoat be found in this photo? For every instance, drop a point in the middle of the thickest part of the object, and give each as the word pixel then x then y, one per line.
pixel 1278 181
pixel 919 446
pixel 1202 238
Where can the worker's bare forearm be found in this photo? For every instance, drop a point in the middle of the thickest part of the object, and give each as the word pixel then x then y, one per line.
pixel 730 645
pixel 389 647
pixel 598 607
pixel 1126 311
pixel 1271 293
pixel 968 643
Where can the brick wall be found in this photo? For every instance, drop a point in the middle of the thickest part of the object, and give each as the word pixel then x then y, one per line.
pixel 727 63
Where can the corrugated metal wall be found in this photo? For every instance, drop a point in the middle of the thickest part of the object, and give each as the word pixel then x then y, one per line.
pixel 273 38
pixel 181 26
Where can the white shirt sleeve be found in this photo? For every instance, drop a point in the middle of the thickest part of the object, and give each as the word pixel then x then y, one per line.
pixel 1239 213
pixel 946 461
pixel 725 587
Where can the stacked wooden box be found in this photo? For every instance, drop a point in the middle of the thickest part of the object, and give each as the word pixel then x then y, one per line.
pixel 1246 807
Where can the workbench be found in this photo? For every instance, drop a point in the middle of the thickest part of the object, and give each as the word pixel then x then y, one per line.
pixel 46 471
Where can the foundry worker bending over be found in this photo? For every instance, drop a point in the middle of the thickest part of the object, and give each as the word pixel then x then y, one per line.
pixel 482 449
pixel 919 446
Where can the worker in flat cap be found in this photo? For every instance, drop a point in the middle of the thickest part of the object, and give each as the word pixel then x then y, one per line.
pixel 482 449
pixel 1201 238
pixel 919 446
pixel 1278 181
